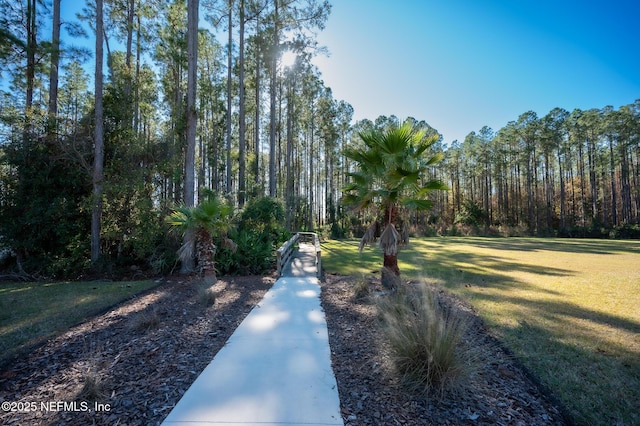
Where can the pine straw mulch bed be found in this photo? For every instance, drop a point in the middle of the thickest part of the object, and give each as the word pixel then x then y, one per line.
pixel 140 358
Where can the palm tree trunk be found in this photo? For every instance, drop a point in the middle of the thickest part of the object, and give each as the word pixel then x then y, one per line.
pixel 206 251
pixel 391 259
pixel 391 262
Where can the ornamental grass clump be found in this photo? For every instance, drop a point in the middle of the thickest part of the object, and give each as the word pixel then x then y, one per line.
pixel 425 340
pixel 361 288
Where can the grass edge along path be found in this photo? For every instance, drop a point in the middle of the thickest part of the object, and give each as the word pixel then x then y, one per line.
pixel 568 309
pixel 32 312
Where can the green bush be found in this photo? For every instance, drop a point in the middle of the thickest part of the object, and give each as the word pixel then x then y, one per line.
pixel 471 214
pixel 336 231
pixel 425 339
pixel 255 254
pixel 625 232
pixel 42 222
pixel 264 215
pixel 258 234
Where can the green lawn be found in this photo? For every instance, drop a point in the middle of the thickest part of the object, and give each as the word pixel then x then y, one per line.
pixel 33 312
pixel 569 309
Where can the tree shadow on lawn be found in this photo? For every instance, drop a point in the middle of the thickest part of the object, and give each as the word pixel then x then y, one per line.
pixel 561 312
pixel 599 386
pixel 464 268
pixel 417 262
pixel 478 273
pixel 24 331
pixel 596 372
pixel 586 246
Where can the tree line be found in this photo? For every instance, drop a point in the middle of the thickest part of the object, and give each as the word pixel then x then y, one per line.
pixel 565 173
pixel 196 98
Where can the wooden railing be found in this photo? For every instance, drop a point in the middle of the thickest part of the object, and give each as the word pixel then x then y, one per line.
pixel 285 252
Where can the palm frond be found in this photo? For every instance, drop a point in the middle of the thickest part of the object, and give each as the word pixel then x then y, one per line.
pixel 359 179
pixel 435 185
pixel 417 204
pixel 369 236
pixel 188 249
pixel 425 144
pixel 408 176
pixel 230 244
pixel 371 138
pixel 435 159
pixel 389 240
pixel 180 218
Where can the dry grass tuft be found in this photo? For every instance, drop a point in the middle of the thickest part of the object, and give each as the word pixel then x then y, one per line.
pixel 361 288
pixel 425 339
pixel 93 388
pixel 146 320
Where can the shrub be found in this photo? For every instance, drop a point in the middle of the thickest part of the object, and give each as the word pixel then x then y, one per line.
pixel 471 214
pixel 264 215
pixel 336 231
pixel 626 231
pixel 259 233
pixel 425 339
pixel 255 253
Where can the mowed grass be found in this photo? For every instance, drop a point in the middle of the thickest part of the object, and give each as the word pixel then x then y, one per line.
pixel 568 309
pixel 33 312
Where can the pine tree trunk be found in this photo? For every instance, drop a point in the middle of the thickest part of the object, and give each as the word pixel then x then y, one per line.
pixel 192 75
pixel 242 124
pixel 289 155
pixel 31 53
pixel 612 171
pixel 98 159
pixel 229 68
pixel 272 104
pixel 256 166
pixel 53 72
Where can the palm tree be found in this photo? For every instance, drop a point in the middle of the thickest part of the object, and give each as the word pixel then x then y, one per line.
pixel 392 168
pixel 199 225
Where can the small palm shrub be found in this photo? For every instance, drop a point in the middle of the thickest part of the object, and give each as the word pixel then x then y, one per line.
pixel 425 340
pixel 199 225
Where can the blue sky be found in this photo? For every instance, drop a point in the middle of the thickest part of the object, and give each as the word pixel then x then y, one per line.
pixel 460 65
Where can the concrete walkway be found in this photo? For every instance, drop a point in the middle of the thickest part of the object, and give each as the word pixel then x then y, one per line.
pixel 276 367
